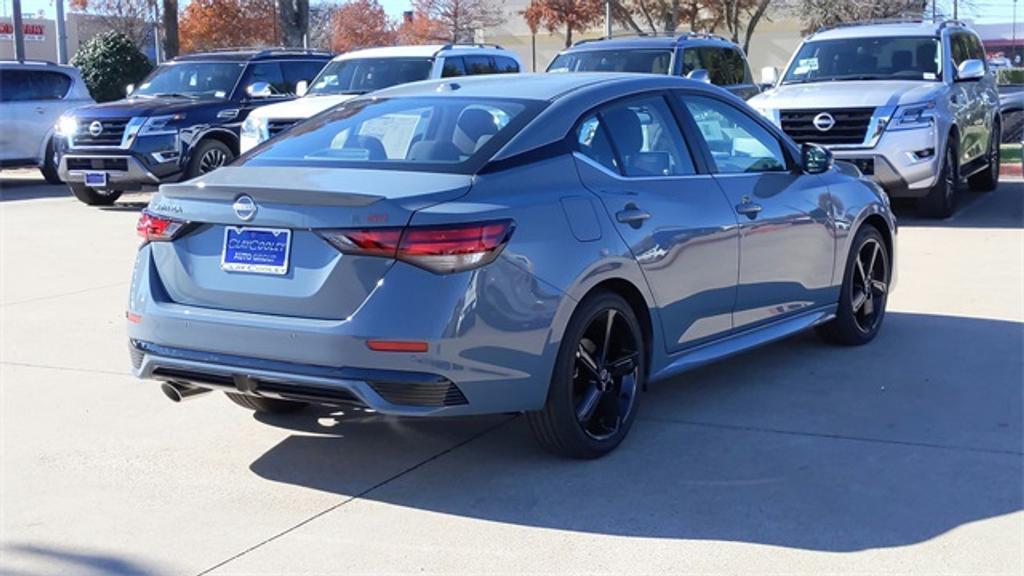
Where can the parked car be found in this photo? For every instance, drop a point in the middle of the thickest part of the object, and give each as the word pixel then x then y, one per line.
pixel 33 95
pixel 910 103
pixel 476 245
pixel 706 57
pixel 1011 103
pixel 181 121
pixel 362 71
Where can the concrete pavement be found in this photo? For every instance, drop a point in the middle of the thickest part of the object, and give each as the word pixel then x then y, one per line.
pixel 904 456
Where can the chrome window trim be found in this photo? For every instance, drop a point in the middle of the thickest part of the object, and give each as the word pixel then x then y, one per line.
pixel 587 159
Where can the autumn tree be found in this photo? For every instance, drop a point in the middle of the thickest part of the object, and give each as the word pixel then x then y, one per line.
pixel 419 28
pixel 571 15
pixel 208 24
pixel 459 19
pixel 361 24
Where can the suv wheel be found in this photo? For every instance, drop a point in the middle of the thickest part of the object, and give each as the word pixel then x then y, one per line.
pixel 49 167
pixel 941 199
pixel 594 389
pixel 93 196
pixel 988 179
pixel 208 156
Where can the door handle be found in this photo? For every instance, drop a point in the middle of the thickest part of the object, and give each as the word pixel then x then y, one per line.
pixel 40 109
pixel 632 215
pixel 748 208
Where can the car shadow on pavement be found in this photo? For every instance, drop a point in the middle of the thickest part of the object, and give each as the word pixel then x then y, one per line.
pixel 60 561
pixel 29 189
pixel 797 444
pixel 1002 208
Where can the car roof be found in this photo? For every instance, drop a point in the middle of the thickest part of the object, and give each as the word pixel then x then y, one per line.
pixel 424 51
pixel 531 86
pixel 253 54
pixel 650 42
pixel 37 65
pixel 882 30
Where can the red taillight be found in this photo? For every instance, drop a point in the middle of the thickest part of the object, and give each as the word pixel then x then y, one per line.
pixel 440 249
pixel 154 228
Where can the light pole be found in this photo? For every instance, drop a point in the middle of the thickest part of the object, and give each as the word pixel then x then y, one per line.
pixel 608 18
pixel 19 31
pixel 1013 42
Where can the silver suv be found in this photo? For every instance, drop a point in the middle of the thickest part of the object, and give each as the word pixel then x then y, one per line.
pixel 910 103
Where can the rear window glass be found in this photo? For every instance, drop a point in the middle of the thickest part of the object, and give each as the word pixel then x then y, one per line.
pixel 640 61
pixel 22 85
pixel 440 133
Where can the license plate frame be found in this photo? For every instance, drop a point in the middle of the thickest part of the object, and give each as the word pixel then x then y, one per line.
pixel 95 179
pixel 249 258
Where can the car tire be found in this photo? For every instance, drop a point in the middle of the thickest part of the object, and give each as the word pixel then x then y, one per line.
pixel 941 199
pixel 92 196
pixel 861 311
pixel 594 391
pixel 209 155
pixel 988 179
pixel 49 167
pixel 265 405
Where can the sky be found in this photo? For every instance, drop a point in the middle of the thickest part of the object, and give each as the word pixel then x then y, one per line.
pixel 982 11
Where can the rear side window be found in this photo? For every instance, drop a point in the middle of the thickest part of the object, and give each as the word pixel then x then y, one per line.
pixel 638 138
pixel 453 67
pixel 738 144
pixel 725 66
pixel 506 65
pixel 26 85
pixel 296 71
pixel 480 65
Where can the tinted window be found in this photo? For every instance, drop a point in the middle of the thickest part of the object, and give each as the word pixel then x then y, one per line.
pixel 443 134
pixel 506 65
pixel 737 142
pixel 23 85
pixel 642 61
pixel 725 66
pixel 977 51
pixel 360 75
pixel 215 79
pixel 295 71
pixel 889 58
pixel 961 48
pixel 480 65
pixel 269 72
pixel 636 138
pixel 453 67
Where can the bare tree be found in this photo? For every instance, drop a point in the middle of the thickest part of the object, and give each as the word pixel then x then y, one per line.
pixel 170 19
pixel 818 13
pixel 461 18
pixel 129 17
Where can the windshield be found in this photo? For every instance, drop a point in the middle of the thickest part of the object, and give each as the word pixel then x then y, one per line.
pixel 192 80
pixel 361 75
pixel 643 61
pixel 433 133
pixel 915 58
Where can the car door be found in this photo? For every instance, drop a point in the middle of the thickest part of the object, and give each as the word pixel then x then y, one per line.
pixel 965 100
pixel 787 237
pixel 677 223
pixel 32 101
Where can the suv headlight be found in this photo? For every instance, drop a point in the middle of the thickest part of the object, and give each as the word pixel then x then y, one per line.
pixel 157 125
pixel 255 129
pixel 913 116
pixel 66 126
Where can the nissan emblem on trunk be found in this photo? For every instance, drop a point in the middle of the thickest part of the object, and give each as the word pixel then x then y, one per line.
pixel 245 207
pixel 824 122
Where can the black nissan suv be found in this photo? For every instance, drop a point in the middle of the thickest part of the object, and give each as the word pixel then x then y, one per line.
pixel 183 120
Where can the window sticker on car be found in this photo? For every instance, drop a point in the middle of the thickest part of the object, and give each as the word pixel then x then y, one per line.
pixel 805 65
pixel 929 76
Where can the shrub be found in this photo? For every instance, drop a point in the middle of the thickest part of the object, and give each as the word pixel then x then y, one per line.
pixel 1011 76
pixel 108 63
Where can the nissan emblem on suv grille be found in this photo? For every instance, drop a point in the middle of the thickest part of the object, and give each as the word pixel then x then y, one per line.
pixel 824 121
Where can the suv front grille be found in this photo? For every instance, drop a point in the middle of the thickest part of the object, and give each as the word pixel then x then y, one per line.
pixel 851 125
pixel 275 127
pixel 110 134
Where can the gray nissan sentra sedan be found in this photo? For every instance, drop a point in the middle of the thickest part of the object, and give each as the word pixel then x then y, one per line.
pixel 544 243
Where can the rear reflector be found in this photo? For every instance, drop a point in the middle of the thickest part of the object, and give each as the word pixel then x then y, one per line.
pixel 440 249
pixel 154 228
pixel 396 346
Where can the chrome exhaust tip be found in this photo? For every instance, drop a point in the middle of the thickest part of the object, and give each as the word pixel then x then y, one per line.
pixel 178 392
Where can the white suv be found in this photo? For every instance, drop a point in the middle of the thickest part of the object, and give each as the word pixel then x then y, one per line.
pixel 33 95
pixel 362 71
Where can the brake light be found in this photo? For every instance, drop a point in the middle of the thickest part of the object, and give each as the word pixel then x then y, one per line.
pixel 154 228
pixel 440 249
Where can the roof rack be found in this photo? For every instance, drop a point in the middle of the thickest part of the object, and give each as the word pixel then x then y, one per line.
pixel 677 37
pixel 29 61
pixel 261 50
pixel 907 19
pixel 470 45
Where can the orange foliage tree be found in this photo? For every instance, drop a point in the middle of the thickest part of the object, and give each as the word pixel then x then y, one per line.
pixel 569 14
pixel 361 24
pixel 208 24
pixel 418 27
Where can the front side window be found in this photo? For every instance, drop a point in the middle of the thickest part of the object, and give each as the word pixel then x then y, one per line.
pixel 638 138
pixel 298 70
pixel 738 144
pixel 191 79
pixel 362 75
pixel 506 65
pixel 269 72
pixel 641 61
pixel 887 58
pixel 437 133
pixel 725 66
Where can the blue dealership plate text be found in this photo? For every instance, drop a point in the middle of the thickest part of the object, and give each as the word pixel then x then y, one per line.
pixel 256 250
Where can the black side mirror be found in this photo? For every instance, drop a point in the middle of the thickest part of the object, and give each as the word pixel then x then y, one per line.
pixel 815 159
